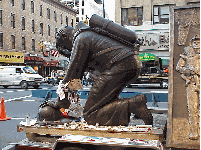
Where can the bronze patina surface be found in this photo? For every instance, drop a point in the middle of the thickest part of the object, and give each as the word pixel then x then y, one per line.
pixel 183 129
pixel 113 62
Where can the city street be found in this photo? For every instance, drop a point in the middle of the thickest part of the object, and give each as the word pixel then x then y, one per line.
pixel 19 101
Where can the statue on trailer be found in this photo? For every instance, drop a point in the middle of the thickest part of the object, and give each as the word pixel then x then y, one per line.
pixel 110 53
pixel 189 67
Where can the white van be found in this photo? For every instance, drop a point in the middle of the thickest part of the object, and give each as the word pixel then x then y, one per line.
pixel 20 76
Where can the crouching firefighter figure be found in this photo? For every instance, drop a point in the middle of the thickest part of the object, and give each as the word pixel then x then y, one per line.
pixel 110 53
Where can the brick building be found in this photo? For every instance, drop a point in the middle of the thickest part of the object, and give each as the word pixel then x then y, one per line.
pixel 26 23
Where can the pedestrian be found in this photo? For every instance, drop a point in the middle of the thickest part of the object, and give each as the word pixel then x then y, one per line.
pixel 113 66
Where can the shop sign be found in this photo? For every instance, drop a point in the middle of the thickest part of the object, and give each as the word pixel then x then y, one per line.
pixel 154 40
pixel 51 63
pixel 11 57
pixel 33 58
pixel 33 55
pixel 146 56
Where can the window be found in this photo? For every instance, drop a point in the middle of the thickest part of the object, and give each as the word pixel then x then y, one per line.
pixel 23 43
pixel 23 23
pixel 33 45
pixel 41 28
pixel 32 26
pixel 82 11
pixel 72 22
pixel 41 10
pixel 23 4
pixel 77 19
pixel 61 19
pixel 48 30
pixel 1 40
pixel 82 2
pixel 1 19
pixel 12 41
pixel 55 30
pixel 41 47
pixel 66 20
pixel 32 6
pixel 12 20
pixel 161 14
pixel 12 2
pixel 55 16
pixel 132 16
pixel 48 13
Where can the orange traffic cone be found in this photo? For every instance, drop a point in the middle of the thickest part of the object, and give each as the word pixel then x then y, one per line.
pixel 3 111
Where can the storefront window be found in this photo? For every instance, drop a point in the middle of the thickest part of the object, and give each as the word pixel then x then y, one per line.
pixel 132 16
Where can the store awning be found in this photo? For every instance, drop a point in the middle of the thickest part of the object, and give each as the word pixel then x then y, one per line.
pixel 147 57
pixel 51 63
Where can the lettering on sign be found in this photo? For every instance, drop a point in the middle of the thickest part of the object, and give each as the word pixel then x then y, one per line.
pixel 156 41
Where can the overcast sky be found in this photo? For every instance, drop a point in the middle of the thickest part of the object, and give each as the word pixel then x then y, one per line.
pixel 110 9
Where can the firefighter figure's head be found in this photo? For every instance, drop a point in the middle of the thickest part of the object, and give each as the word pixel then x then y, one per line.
pixel 64 38
pixel 195 43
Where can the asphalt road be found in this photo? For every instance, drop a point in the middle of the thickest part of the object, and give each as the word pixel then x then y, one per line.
pixel 19 102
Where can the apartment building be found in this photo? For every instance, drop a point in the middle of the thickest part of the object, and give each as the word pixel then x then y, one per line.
pixel 150 20
pixel 25 23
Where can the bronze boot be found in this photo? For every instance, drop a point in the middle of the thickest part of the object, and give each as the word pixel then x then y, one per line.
pixel 137 105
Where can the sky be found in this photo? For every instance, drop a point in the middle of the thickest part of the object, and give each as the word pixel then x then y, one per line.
pixel 110 9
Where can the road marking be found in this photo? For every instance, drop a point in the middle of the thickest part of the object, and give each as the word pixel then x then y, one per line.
pixel 17 118
pixel 20 90
pixel 124 91
pixel 18 99
pixel 86 88
pixel 10 91
pixel 158 91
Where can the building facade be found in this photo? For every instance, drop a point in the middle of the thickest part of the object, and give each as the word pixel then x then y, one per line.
pixel 86 8
pixel 26 24
pixel 150 20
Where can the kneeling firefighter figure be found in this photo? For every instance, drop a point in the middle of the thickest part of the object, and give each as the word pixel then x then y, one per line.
pixel 110 53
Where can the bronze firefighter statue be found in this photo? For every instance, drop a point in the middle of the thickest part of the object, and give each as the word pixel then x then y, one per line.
pixel 110 53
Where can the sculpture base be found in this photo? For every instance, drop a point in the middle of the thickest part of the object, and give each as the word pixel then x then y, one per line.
pixel 133 132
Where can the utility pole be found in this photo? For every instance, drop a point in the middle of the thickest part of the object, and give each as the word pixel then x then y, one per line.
pixel 103 10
